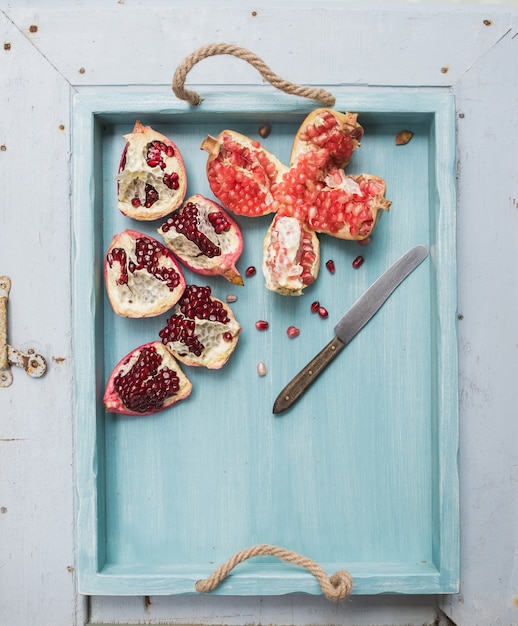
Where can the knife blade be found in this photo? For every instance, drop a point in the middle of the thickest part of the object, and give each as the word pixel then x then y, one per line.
pixel 351 323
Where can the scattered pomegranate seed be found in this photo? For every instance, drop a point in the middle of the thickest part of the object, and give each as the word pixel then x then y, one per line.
pixel 264 130
pixel 404 137
pixel 231 298
pixel 330 266
pixel 365 242
pixel 315 306
pixel 261 369
pixel 292 332
pixel 322 311
pixel 250 271
pixel 358 262
pixel 262 325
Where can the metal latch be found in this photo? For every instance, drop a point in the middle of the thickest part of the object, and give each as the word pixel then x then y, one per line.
pixel 34 364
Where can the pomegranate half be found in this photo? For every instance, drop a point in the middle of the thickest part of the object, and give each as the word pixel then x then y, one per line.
pixel 202 331
pixel 205 238
pixel 151 181
pixel 141 276
pixel 145 381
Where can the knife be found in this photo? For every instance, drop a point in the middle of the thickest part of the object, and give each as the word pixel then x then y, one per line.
pixel 351 323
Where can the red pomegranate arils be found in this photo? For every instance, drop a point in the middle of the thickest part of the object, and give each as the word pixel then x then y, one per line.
pixel 262 325
pixel 315 306
pixel 322 311
pixel 292 332
pixel 250 271
pixel 358 262
pixel 330 266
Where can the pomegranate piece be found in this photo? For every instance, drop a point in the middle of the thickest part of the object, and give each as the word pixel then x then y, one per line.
pixel 261 369
pixel 241 173
pixel 315 306
pixel 330 266
pixel 314 189
pixel 205 238
pixel 404 137
pixel 333 135
pixel 262 325
pixel 142 277
pixel 292 332
pixel 250 271
pixel 202 331
pixel 358 262
pixel 291 256
pixel 151 181
pixel 264 130
pixel 145 381
pixel 322 311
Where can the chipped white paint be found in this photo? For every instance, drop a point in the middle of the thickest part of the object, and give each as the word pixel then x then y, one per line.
pixel 79 46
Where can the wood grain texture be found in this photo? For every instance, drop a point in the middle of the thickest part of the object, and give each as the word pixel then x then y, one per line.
pixel 221 472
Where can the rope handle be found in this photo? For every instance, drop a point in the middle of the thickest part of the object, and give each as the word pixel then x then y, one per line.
pixel 213 49
pixel 336 587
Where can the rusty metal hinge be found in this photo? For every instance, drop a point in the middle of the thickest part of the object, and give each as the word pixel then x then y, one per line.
pixel 34 364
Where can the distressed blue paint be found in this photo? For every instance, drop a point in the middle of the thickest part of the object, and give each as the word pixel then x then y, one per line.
pixel 362 473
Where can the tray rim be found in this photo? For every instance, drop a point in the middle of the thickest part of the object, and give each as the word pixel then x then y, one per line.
pixel 88 111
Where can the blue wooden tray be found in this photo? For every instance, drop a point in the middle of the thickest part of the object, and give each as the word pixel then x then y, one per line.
pixel 361 474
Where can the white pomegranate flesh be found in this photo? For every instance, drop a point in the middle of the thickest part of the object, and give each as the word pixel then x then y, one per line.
pixel 142 277
pixel 291 257
pixel 202 331
pixel 205 238
pixel 146 381
pixel 151 181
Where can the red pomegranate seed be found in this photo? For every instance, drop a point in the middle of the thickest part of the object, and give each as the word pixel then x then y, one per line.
pixel 262 325
pixel 330 266
pixel 358 262
pixel 292 331
pixel 250 271
pixel 315 306
pixel 227 336
pixel 322 311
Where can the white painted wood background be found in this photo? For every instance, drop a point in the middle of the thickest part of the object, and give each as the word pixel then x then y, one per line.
pixel 87 46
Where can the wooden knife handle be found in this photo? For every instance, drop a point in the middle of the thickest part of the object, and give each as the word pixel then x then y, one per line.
pixel 296 387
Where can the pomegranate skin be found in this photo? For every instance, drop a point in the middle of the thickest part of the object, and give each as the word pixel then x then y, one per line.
pixel 146 381
pixel 291 256
pixel 205 238
pixel 152 180
pixel 142 277
pixel 202 330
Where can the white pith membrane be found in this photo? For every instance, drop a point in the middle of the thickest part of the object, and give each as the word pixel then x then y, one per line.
pixel 229 242
pixel 132 180
pixel 282 251
pixel 216 351
pixel 218 339
pixel 112 400
pixel 144 295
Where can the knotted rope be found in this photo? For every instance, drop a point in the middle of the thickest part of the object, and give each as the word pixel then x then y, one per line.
pixel 225 48
pixel 337 587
